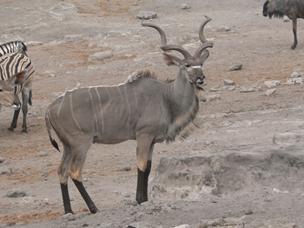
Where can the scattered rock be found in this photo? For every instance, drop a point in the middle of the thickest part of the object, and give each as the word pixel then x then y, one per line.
pixel 125 169
pixel 248 212
pixel 62 9
pixel 45 175
pixel 224 29
pixel 140 225
pixel 49 74
pixel 100 56
pixel 280 191
pixel 5 171
pixel 288 138
pixel 295 74
pixel 294 81
pixel 2 160
pixel 277 224
pixel 185 6
pixel 213 97
pixel 269 92
pixel 126 195
pixel 245 89
pixel 272 83
pixel 228 82
pixel 229 88
pixel 146 15
pixel 33 43
pixel 43 154
pixel 215 89
pixel 236 67
pixel 286 19
pixel 73 37
pixel 202 99
pixel 223 222
pixel 16 194
pixel 183 226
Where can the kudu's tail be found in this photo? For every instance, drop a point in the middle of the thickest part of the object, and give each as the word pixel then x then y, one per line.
pixel 49 128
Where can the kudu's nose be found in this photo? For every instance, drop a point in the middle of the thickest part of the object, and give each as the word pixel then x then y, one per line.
pixel 200 81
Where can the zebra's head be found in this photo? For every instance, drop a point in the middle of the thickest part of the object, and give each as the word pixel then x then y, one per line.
pixel 8 94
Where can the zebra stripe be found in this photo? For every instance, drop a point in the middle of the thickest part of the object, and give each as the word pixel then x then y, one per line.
pixel 12 64
pixel 11 47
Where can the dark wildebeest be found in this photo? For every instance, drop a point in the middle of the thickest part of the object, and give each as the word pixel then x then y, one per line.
pixel 293 9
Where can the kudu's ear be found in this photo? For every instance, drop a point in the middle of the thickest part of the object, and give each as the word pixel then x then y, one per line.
pixel 204 56
pixel 171 59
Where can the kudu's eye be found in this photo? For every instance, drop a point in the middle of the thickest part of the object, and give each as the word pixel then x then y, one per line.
pixel 1 90
pixel 187 65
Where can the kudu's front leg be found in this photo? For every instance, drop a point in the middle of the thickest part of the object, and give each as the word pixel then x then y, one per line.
pixel 294 29
pixel 144 160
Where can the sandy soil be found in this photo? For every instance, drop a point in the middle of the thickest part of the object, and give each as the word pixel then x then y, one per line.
pixel 62 35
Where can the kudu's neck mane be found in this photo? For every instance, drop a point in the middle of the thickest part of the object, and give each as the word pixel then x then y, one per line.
pixel 137 75
pixel 184 105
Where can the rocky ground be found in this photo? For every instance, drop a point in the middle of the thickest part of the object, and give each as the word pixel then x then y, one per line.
pixel 242 167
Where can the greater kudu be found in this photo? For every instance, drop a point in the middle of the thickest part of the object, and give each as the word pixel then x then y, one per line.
pixel 143 109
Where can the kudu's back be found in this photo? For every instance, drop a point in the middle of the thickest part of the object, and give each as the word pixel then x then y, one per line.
pixel 112 114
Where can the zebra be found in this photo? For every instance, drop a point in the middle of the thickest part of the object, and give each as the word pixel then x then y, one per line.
pixel 12 47
pixel 10 65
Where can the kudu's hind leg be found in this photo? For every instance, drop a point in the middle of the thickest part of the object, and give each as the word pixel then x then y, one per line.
pixel 76 175
pixel 144 160
pixel 294 29
pixel 63 173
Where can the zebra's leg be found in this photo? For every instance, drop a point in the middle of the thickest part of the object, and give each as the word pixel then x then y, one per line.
pixel 144 157
pixel 30 101
pixel 24 106
pixel 16 114
pixel 294 29
pixel 14 121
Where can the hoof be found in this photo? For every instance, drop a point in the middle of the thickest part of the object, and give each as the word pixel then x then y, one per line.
pixel 94 210
pixel 11 128
pixel 293 47
pixel 24 131
pixel 141 200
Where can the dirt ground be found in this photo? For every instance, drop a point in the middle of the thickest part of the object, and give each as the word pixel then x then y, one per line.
pixel 253 143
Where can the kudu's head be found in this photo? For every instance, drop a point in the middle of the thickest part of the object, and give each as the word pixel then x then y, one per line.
pixel 191 64
pixel 7 93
